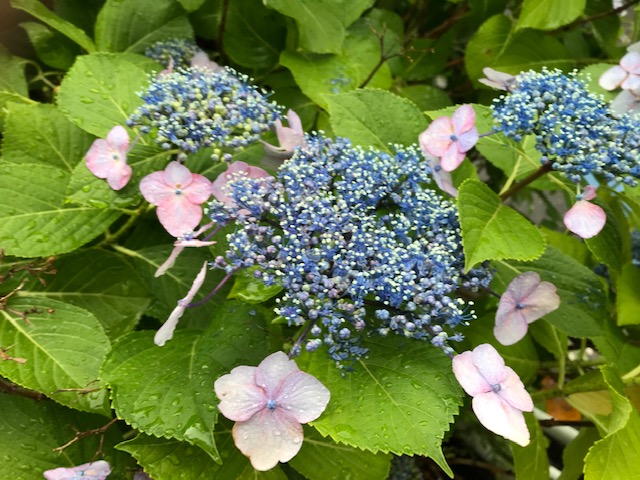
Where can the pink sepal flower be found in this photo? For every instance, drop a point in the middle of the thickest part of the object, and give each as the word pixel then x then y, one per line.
pixel 627 101
pixel 178 194
pixel 235 170
pixel 499 396
pixel 450 138
pixel 169 68
pixel 289 137
pixel 625 75
pixel 99 470
pixel 443 179
pixel 498 80
pixel 165 332
pixel 526 299
pixel 269 403
pixel 585 219
pixel 107 158
pixel 202 60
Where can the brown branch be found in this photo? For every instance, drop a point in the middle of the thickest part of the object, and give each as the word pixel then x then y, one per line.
pixel 596 16
pixel 570 423
pixel 543 170
pixel 21 392
pixel 94 431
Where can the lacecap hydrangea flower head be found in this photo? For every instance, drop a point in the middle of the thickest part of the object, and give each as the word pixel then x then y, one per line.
pixel 358 242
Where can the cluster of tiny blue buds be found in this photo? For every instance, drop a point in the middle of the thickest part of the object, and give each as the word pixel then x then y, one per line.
pixel 193 108
pixel 180 50
pixel 575 130
pixel 358 243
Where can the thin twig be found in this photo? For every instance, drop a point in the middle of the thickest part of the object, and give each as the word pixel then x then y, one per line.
pixel 597 16
pixel 543 170
pixel 94 431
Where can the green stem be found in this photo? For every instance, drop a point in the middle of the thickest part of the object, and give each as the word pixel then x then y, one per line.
pixel 570 389
pixel 543 170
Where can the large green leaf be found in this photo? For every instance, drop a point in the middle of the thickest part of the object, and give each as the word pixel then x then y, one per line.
pixel 250 289
pixel 68 29
pixel 40 133
pixel 99 92
pixel 35 221
pixel 52 48
pixel 30 431
pixel 174 460
pixel 101 282
pixel 583 299
pixel 375 118
pixel 168 391
pixel 321 23
pixel 320 458
pixel 63 346
pixel 401 398
pixel 607 245
pixel 254 35
pixel 574 453
pixel 492 231
pixel 531 462
pixel 496 45
pixel 549 14
pixel 13 84
pixel 133 25
pixel 628 297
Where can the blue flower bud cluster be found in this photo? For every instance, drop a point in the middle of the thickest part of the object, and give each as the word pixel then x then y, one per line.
pixel 358 242
pixel 192 108
pixel 180 50
pixel 574 129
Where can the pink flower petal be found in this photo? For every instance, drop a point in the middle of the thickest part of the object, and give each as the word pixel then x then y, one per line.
pixel 268 437
pixel 303 397
pixel 634 47
pixel 632 82
pixel 443 179
pixel 463 119
pixel 273 370
pixel 119 175
pixel 436 139
pixel 202 60
pixel 118 138
pixel 177 175
pixel 585 219
pixel 99 158
pixel 612 78
pixel 510 327
pixel 467 140
pixel 468 375
pixel 295 123
pixel 589 192
pixel 154 189
pixel 219 185
pixel 199 190
pixel 240 397
pixel 625 102
pixel 496 79
pixel 170 261
pixel 99 470
pixel 489 363
pixel 631 62
pixel 497 415
pixel 179 216
pixel 452 158
pixel 514 393
pixel 165 332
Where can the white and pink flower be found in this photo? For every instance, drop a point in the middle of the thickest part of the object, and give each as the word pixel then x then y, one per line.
pixel 107 158
pixel 585 219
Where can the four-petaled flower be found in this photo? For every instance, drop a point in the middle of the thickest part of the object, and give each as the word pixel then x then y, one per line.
pixel 450 138
pixel 526 299
pixel 585 219
pixel 99 470
pixel 235 170
pixel 499 396
pixel 625 75
pixel 178 194
pixel 269 403
pixel 289 137
pixel 107 158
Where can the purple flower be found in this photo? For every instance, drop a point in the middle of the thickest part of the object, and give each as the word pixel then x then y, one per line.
pixel 269 403
pixel 450 138
pixel 107 158
pixel 526 299
pixel 585 219
pixel 99 470
pixel 499 397
pixel 178 194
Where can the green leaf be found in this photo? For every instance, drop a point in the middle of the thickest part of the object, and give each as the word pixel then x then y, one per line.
pixel 99 92
pixel 87 189
pixel 254 35
pixel 191 5
pixel 13 84
pixel 425 97
pixel 321 23
pixel 249 289
pixel 321 458
pixel 552 340
pixel 30 431
pixel 574 453
pixel 627 299
pixel 52 48
pixel 45 15
pixel 319 75
pixel 591 75
pixel 549 14
pixel 63 346
pixel 401 398
pixel 424 58
pixel 531 462
pixel 607 245
pixel 35 222
pixel 40 133
pixel 375 118
pixel 100 282
pixel 133 25
pixel 583 300
pixel 173 460
pixel 496 45
pixel 492 231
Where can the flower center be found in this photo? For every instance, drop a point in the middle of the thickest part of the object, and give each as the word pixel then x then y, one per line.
pixel 272 404
pixel 453 138
pixel 520 306
pixel 178 190
pixel 115 156
pixel 496 388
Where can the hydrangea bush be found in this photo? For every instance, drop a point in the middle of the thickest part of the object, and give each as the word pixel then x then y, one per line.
pixel 308 239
